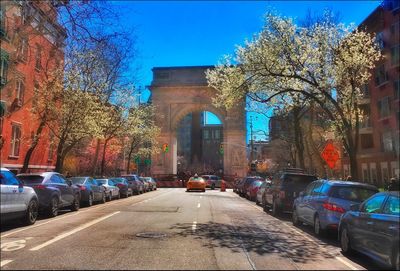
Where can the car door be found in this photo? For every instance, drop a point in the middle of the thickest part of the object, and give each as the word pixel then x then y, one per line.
pixel 11 195
pixel 362 231
pixel 97 191
pixel 303 201
pixel 314 201
pixel 67 195
pixel 386 228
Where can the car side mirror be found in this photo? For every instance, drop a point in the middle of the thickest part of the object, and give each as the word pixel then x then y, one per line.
pixel 355 207
pixel 301 194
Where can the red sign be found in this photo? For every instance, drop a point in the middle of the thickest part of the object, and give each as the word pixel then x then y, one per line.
pixel 330 154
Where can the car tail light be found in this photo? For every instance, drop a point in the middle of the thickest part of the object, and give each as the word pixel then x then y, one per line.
pixel 82 188
pixel 282 194
pixel 333 207
pixel 120 185
pixel 39 186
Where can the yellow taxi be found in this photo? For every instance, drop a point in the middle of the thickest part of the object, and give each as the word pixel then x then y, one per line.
pixel 196 183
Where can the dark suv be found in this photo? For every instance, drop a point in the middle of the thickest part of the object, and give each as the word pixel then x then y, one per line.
pixel 285 187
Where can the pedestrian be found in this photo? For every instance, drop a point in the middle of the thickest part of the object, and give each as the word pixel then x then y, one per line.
pixel 393 185
pixel 349 178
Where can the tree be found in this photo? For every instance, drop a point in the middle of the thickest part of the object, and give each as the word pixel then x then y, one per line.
pixel 326 63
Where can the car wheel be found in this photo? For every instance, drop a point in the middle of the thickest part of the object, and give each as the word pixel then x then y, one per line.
pixel 212 186
pixel 187 190
pixel 345 244
pixel 317 226
pixel 119 195
pixel 110 196
pixel 264 205
pixel 295 218
pixel 75 203
pixel 32 212
pixel 275 209
pixel 53 207
pixel 104 198
pixel 204 190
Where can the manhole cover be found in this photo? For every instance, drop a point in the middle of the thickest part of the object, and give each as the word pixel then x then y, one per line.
pixel 151 235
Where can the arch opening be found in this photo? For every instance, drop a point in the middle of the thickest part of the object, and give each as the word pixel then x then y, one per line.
pixel 199 135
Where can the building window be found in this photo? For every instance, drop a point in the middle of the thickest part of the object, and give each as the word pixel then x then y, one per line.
pixel 3 67
pixel 365 90
pixel 23 49
pixel 3 31
pixel 379 40
pixel 20 91
pixel 206 135
pixel 380 75
pixel 384 107
pixel 15 139
pixel 38 58
pixel 217 134
pixel 396 87
pixel 367 141
pixel 394 53
pixel 387 142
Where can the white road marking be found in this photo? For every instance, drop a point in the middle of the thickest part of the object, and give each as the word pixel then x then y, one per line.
pixel 4 262
pixel 201 197
pixel 13 245
pixel 194 225
pixel 68 233
pixel 346 263
pixel 198 205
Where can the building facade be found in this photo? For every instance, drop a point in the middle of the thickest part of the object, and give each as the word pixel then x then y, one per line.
pixel 378 155
pixel 31 47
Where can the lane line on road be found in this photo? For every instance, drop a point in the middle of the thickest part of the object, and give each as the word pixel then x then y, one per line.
pixel 68 233
pixel 349 265
pixel 152 198
pixel 4 262
pixel 69 215
pixel 194 225
pixel 198 205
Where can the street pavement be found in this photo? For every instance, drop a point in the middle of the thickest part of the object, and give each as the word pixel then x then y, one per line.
pixel 172 229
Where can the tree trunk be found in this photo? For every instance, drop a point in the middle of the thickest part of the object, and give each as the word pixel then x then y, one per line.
pixel 95 157
pixel 32 147
pixel 298 137
pixel 103 158
pixel 128 163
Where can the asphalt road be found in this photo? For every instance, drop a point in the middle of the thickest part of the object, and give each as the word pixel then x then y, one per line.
pixel 171 229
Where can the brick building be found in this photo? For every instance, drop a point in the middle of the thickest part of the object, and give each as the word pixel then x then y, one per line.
pixel 378 156
pixel 31 46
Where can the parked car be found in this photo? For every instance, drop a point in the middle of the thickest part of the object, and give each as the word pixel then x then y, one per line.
pixel 286 186
pixel 239 185
pixel 372 228
pixel 125 189
pixel 196 183
pixel 137 186
pixel 323 202
pixel 53 190
pixel 261 191
pixel 17 201
pixel 91 191
pixel 112 191
pixel 246 183
pixel 153 182
pixel 252 190
pixel 212 181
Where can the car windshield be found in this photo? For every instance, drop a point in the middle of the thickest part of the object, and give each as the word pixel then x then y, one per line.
pixel 77 180
pixel 102 181
pixel 31 179
pixel 196 179
pixel 352 193
pixel 118 180
pixel 257 183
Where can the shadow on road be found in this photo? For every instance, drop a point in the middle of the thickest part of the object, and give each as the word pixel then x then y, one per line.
pixel 255 239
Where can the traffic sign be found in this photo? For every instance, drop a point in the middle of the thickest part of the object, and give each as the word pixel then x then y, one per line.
pixel 165 147
pixel 330 154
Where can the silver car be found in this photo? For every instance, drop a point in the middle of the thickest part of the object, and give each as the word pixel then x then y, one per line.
pixel 112 191
pixel 17 201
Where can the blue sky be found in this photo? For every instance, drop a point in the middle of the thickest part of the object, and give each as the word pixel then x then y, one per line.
pixel 185 33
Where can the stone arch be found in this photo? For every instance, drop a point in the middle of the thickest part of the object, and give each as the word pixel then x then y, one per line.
pixel 178 91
